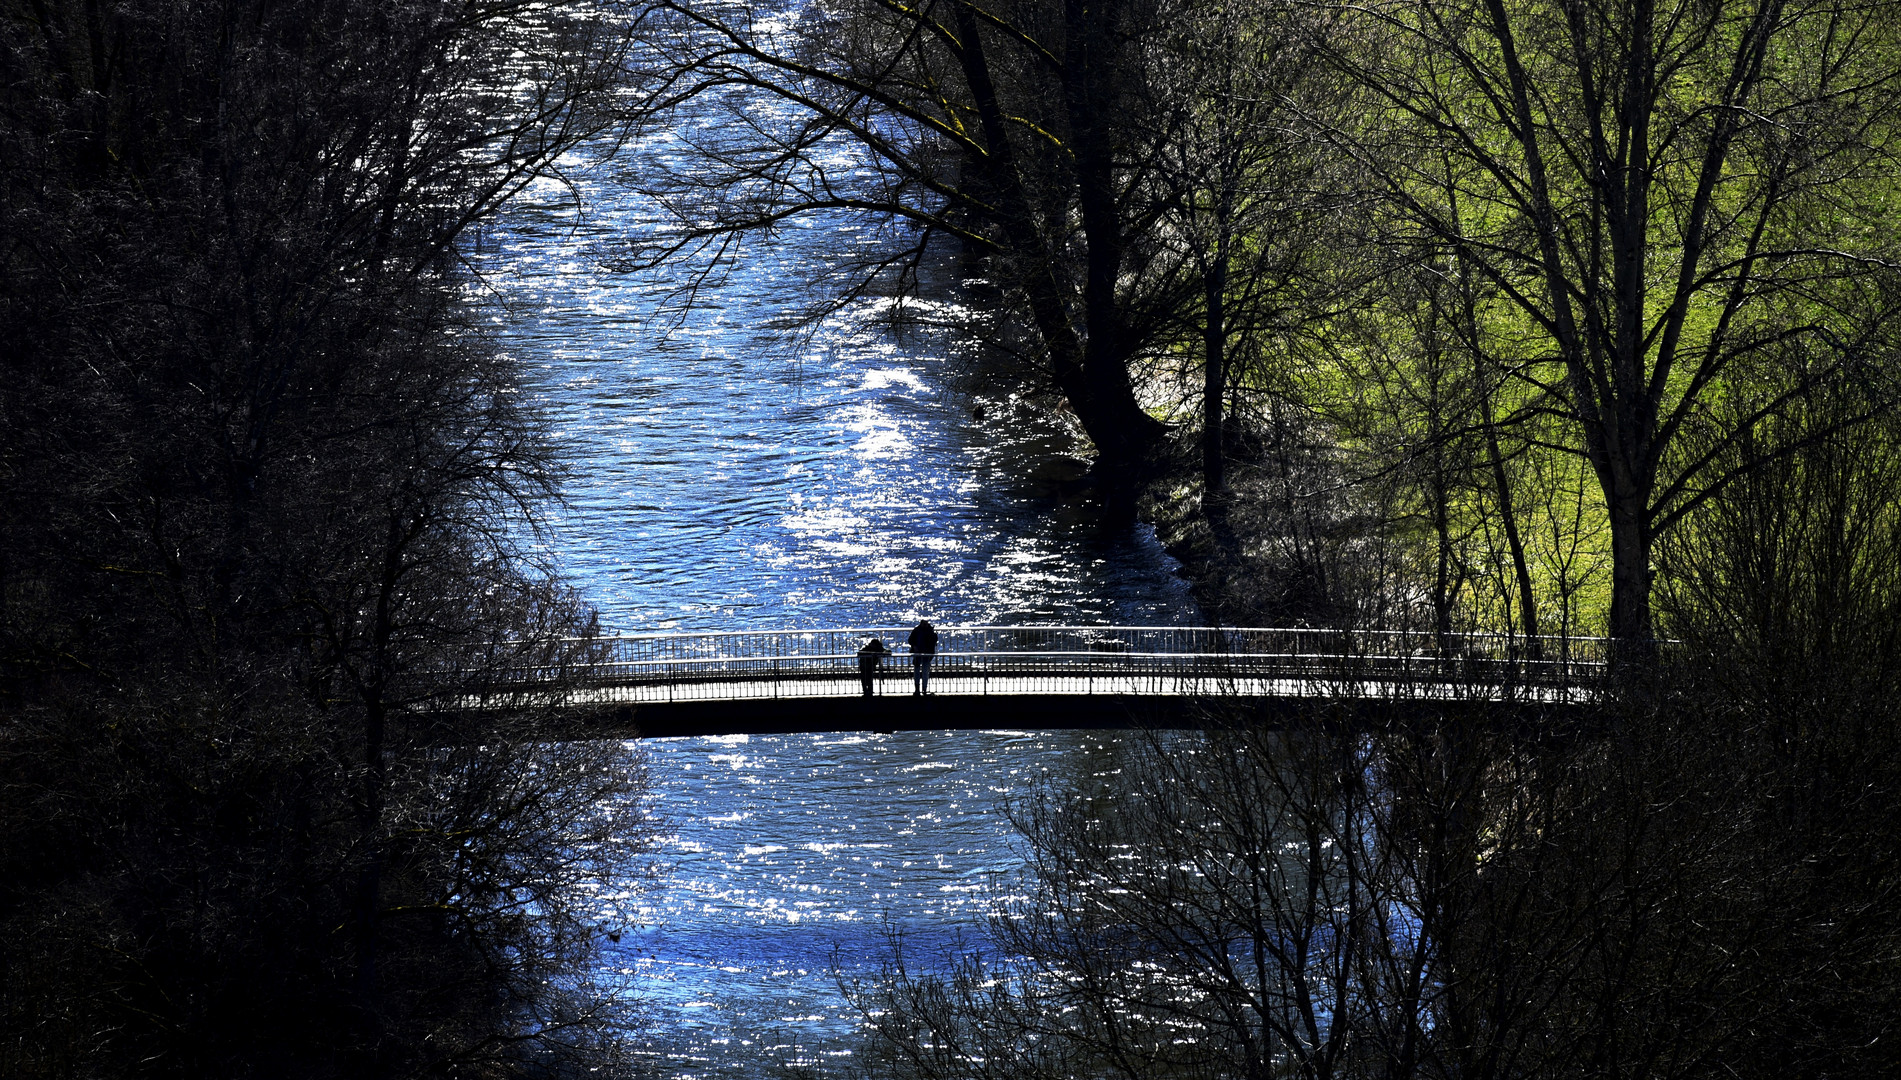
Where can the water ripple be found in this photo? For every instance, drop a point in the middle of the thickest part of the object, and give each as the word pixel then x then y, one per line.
pixel 729 478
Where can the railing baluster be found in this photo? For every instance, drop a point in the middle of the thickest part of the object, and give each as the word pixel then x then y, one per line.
pixel 988 660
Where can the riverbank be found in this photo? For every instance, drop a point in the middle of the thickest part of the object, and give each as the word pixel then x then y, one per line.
pixel 1277 550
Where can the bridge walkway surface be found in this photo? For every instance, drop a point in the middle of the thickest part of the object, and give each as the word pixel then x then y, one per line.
pixel 781 681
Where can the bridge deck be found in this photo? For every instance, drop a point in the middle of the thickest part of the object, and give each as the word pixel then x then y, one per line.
pixel 897 689
pixel 758 682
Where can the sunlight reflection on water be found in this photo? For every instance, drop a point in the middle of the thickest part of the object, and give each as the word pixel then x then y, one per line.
pixel 729 478
pixel 792 858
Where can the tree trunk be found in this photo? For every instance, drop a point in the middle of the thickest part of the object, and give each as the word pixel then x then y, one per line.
pixel 1445 585
pixel 1214 334
pixel 1631 633
pixel 1521 567
pixel 1090 368
pixel 1122 431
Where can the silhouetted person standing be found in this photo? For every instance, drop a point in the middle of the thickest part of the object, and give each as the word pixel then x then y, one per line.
pixel 923 642
pixel 869 657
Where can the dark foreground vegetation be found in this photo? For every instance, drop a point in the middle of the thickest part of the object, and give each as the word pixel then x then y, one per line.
pixel 261 486
pixel 1700 880
pixel 1699 889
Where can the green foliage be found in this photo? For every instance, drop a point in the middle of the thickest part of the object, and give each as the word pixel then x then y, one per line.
pixel 1634 236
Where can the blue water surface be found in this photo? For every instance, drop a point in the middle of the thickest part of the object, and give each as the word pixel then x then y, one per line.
pixel 729 475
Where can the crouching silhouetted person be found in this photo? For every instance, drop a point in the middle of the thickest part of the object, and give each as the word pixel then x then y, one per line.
pixel 869 657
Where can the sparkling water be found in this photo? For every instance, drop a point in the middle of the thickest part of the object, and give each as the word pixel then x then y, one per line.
pixel 729 476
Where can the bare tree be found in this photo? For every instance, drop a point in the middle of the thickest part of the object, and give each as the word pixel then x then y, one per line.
pixel 1257 901
pixel 265 485
pixel 1235 92
pixel 1685 201
pixel 1017 131
pixel 1455 890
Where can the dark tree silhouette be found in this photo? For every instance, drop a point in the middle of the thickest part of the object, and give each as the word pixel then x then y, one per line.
pixel 1018 131
pixel 263 482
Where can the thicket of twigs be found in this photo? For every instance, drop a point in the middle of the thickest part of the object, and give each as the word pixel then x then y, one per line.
pixel 1697 879
pixel 262 487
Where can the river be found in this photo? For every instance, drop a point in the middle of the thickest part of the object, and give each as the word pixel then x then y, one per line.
pixel 731 476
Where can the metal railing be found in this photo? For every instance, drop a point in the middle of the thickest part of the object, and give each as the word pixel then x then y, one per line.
pixel 1076 660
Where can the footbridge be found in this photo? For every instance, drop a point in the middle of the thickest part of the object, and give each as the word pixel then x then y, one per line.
pixel 770 681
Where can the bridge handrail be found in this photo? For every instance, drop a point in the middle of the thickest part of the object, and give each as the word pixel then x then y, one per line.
pixel 1305 652
pixel 1145 639
pixel 1107 632
pixel 1092 655
pixel 1083 628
